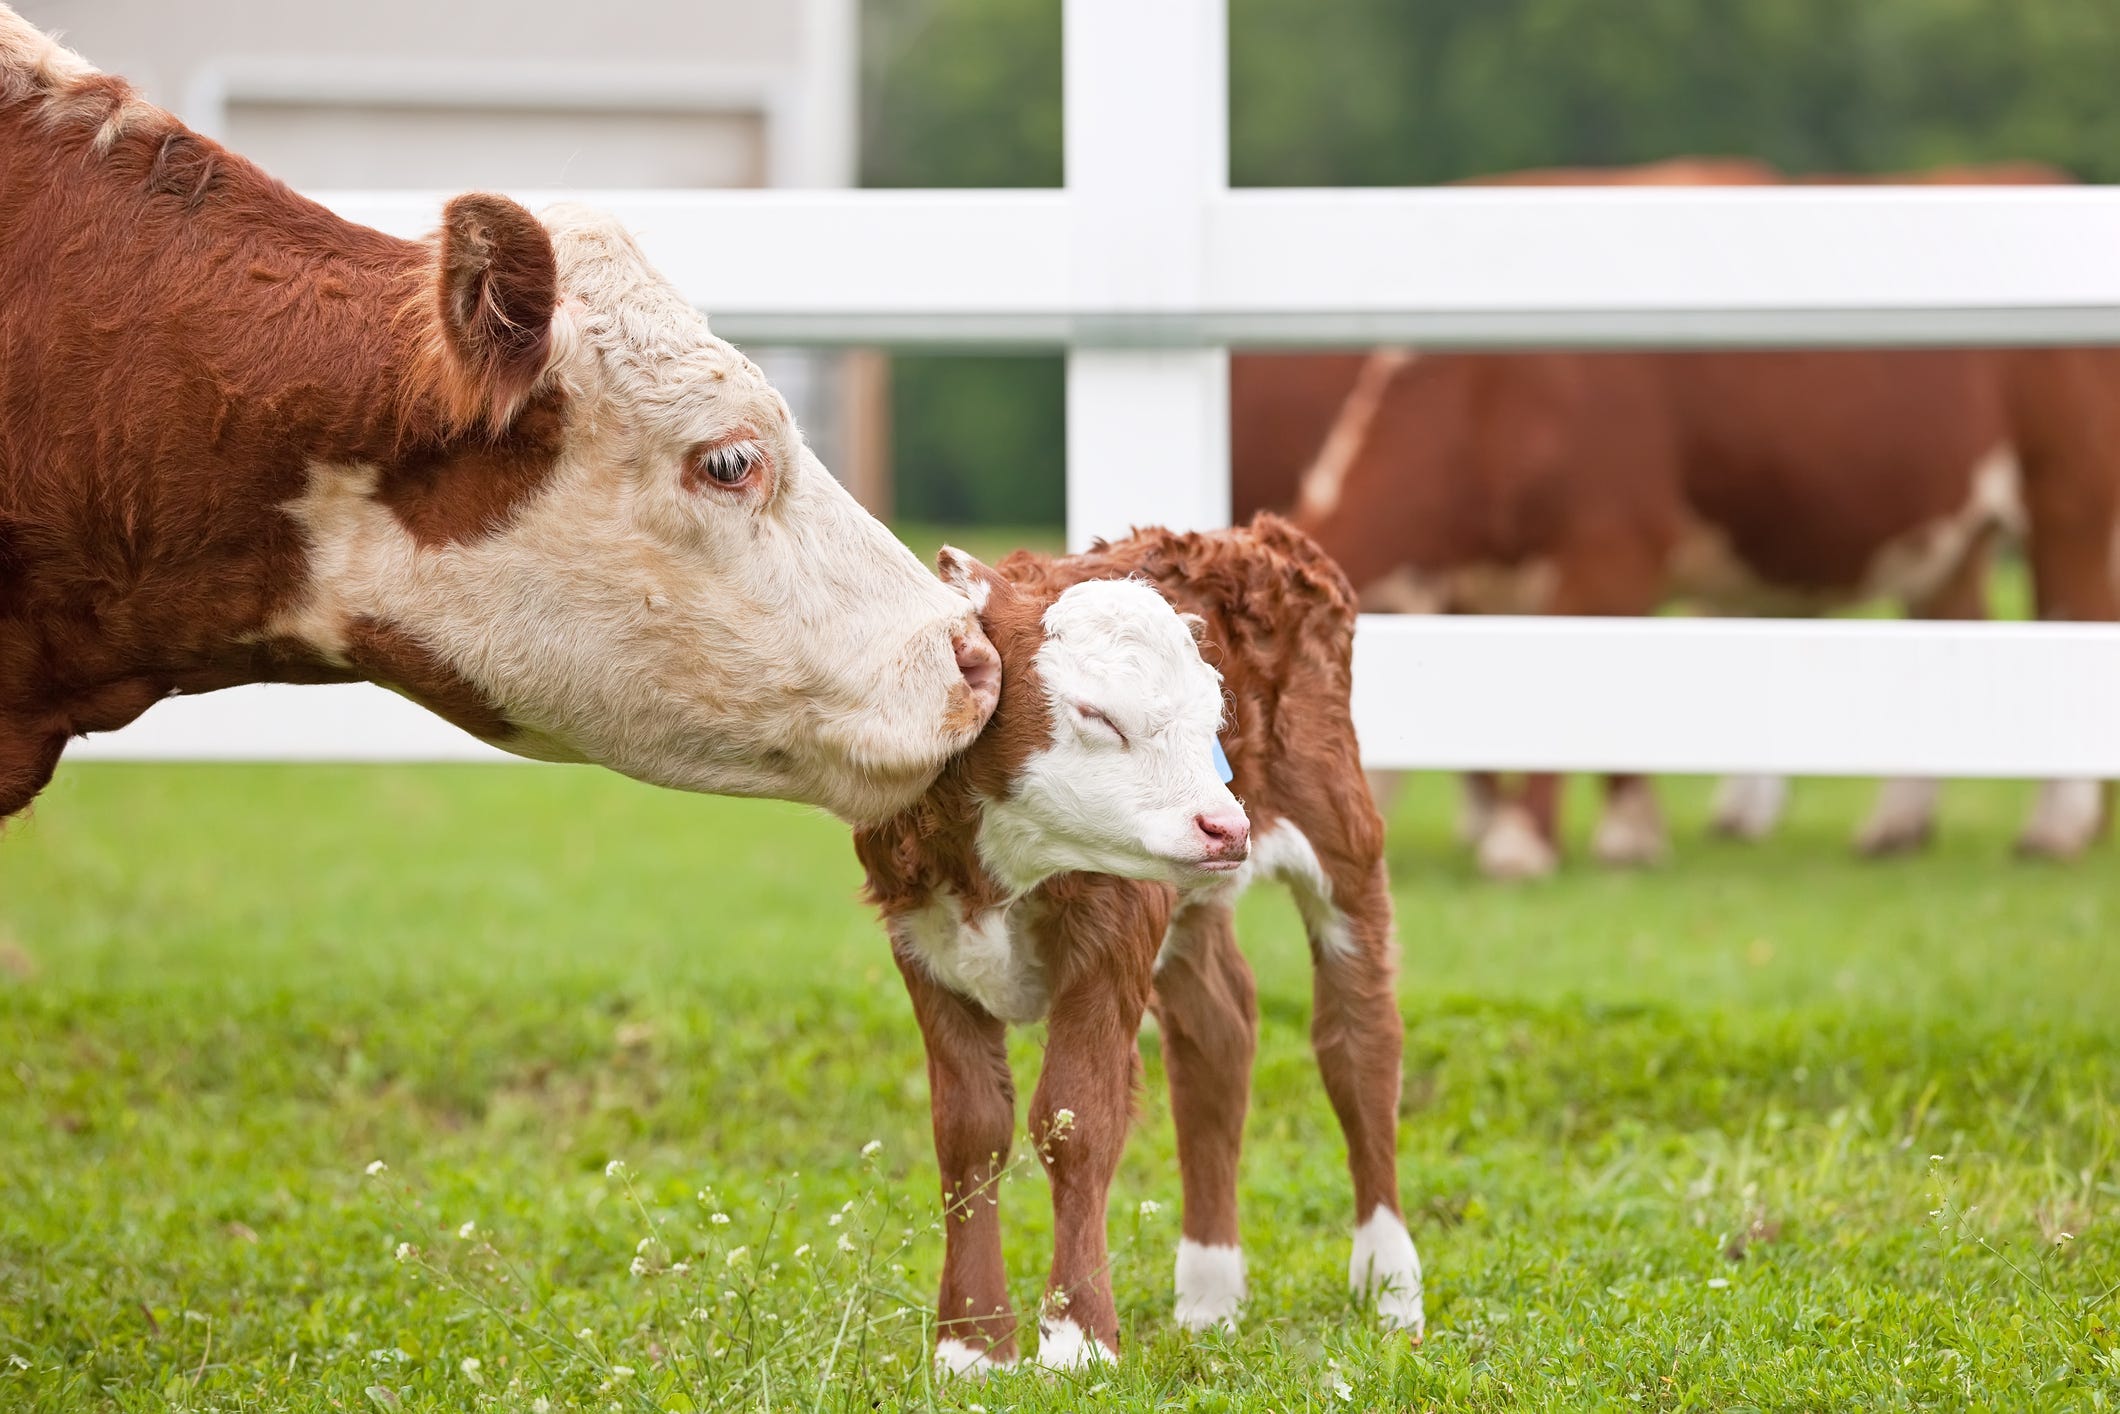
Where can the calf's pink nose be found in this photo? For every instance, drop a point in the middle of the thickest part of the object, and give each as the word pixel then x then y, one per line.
pixel 1226 833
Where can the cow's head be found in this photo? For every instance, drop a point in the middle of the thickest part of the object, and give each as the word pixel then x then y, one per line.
pixel 676 587
pixel 1102 756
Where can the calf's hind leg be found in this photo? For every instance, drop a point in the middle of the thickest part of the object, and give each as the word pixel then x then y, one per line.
pixel 972 1100
pixel 1206 1006
pixel 1358 1036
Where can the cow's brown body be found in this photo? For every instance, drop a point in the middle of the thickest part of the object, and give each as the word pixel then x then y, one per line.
pixel 1756 483
pixel 1279 624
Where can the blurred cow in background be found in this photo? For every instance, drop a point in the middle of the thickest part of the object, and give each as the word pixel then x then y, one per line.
pixel 1743 483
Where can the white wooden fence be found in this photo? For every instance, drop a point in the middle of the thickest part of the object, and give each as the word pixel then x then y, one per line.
pixel 1146 266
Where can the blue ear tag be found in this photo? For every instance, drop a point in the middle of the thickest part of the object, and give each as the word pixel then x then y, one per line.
pixel 1222 764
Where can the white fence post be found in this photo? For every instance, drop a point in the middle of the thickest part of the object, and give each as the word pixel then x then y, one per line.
pixel 1147 129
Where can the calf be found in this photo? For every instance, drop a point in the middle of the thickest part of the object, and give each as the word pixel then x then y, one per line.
pixel 508 472
pixel 1079 863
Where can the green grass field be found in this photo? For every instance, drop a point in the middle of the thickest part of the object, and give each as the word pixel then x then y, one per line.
pixel 1770 1128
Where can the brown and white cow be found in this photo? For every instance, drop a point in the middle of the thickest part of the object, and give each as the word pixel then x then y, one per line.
pixel 506 471
pixel 1079 864
pixel 1776 483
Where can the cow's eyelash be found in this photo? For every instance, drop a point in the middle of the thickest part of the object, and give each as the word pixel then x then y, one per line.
pixel 1092 714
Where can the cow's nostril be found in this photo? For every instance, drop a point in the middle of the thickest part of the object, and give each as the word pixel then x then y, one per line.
pixel 980 664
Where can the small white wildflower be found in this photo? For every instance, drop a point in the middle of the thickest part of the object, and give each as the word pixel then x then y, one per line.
pixel 2061 1237
pixel 835 1220
pixel 719 1219
pixel 976 1408
pixel 466 1232
pixel 470 1366
pixel 644 1244
pixel 1150 1207
pixel 585 1334
pixel 1342 1389
pixel 737 1257
pixel 846 1244
pixel 406 1251
pixel 377 1167
pixel 847 1206
pixel 1717 1283
pixel 621 1372
pixel 702 1314
pixel 18 1362
pixel 1063 1120
pixel 540 1405
pixel 802 1251
pixel 704 1195
pixel 640 1266
pixel 615 1169
pixel 678 1269
pixel 871 1149
pixel 727 1295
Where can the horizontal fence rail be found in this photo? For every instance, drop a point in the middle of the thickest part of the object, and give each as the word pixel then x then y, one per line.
pixel 1681 695
pixel 1673 267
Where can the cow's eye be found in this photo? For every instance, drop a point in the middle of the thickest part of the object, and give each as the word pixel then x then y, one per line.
pixel 729 465
pixel 1093 717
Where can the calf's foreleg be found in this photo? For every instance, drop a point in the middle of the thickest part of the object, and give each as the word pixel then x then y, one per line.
pixel 973 1103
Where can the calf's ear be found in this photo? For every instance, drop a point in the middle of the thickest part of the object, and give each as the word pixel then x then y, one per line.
pixel 964 573
pixel 1196 626
pixel 497 290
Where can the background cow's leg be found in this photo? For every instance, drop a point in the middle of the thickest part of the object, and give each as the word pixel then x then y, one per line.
pixel 27 760
pixel 1902 820
pixel 1748 807
pixel 1630 832
pixel 1207 1008
pixel 2067 427
pixel 972 1102
pixel 1385 786
pixel 2067 818
pixel 1358 1035
pixel 1476 807
pixel 1104 950
pixel 1522 838
pixel 1607 572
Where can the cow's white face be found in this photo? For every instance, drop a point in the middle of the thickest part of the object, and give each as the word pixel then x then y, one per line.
pixel 1127 782
pixel 689 597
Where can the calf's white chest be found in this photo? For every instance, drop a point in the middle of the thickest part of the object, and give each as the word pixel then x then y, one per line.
pixel 988 955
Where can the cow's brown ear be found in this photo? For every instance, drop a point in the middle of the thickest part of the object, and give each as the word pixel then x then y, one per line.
pixel 498 287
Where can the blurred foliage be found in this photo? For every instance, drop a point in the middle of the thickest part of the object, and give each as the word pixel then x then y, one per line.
pixel 1383 92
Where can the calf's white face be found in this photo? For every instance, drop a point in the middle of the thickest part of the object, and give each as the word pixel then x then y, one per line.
pixel 1127 782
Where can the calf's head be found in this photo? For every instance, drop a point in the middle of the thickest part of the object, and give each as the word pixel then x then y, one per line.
pixel 1103 755
pixel 655 573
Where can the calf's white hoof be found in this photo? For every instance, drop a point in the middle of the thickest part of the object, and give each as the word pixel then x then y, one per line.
pixel 956 1360
pixel 1385 1268
pixel 1210 1284
pixel 1063 1345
